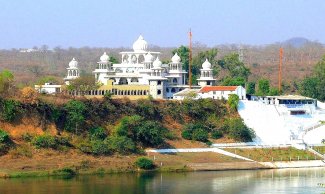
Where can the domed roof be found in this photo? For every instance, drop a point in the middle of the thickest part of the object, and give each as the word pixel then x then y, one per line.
pixel 104 58
pixel 140 45
pixel 206 64
pixel 176 58
pixel 157 63
pixel 148 57
pixel 73 63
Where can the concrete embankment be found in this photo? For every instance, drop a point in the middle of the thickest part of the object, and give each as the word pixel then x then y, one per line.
pixel 294 164
pixel 255 165
pixel 226 166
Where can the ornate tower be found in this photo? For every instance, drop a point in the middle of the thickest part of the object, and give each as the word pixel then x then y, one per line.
pixel 206 77
pixel 73 71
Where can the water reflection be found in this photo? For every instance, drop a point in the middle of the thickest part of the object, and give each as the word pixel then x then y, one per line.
pixel 245 181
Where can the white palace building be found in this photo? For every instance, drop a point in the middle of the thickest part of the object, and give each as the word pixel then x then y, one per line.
pixel 140 73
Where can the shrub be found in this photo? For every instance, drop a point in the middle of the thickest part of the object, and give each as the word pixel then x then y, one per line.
pixel 65 172
pixel 9 110
pixel 99 147
pixel 44 141
pixel 98 133
pixel 216 134
pixel 75 115
pixel 150 133
pixel 187 134
pixel 200 135
pixel 120 144
pixel 27 137
pixel 237 130
pixel 4 137
pixel 144 163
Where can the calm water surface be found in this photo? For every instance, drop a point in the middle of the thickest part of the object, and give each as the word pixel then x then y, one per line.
pixel 247 182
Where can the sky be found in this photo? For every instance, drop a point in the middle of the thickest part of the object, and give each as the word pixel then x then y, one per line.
pixel 118 23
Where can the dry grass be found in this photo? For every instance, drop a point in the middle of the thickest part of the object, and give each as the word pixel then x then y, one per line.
pixel 180 160
pixel 275 154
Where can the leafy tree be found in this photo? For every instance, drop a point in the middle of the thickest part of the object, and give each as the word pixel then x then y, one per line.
pixel 127 126
pixel 6 82
pixel 236 81
pixel 9 110
pixel 237 130
pixel 99 147
pixel 75 115
pixel 216 134
pixel 47 79
pixel 44 141
pixel 233 101
pixel 250 88
pixel 309 87
pixel 263 87
pixel 187 134
pixel 98 133
pixel 150 133
pixel 274 92
pixel 29 95
pixel 4 136
pixel 113 60
pixel 211 55
pixel 120 144
pixel 200 135
pixel 83 84
pixel 314 86
pixel 235 67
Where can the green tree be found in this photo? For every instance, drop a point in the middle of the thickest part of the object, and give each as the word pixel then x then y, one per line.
pixel 47 79
pixel 6 82
pixel 75 117
pixel 233 101
pixel 263 87
pixel 274 92
pixel 250 88
pixel 120 144
pixel 83 84
pixel 314 86
pixel 309 87
pixel 9 109
pixel 235 67
pixel 236 81
pixel 150 133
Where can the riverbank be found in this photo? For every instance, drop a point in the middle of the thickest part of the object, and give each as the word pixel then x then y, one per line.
pixel 70 163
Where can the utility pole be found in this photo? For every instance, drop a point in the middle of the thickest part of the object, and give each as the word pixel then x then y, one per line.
pixel 280 68
pixel 190 61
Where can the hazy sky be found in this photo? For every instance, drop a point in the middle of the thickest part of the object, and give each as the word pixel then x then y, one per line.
pixel 115 23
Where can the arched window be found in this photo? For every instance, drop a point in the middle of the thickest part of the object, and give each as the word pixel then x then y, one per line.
pixel 167 89
pixel 158 92
pixel 123 81
pixel 159 82
pixel 175 81
pixel 173 90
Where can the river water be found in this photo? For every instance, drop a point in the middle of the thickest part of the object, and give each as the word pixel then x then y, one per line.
pixel 225 182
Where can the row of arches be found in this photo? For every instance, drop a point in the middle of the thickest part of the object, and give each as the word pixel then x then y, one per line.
pixel 73 72
pixel 113 91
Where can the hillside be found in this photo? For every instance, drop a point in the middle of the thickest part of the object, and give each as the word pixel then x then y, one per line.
pixel 300 55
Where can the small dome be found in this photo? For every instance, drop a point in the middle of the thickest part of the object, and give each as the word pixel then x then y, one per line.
pixel 140 45
pixel 176 58
pixel 73 63
pixel 157 63
pixel 148 57
pixel 104 58
pixel 206 64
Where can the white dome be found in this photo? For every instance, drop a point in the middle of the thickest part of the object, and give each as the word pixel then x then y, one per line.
pixel 157 63
pixel 140 45
pixel 73 63
pixel 206 64
pixel 148 57
pixel 176 58
pixel 104 58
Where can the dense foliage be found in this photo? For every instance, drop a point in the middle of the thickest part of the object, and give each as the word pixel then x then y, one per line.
pixel 144 163
pixel 314 86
